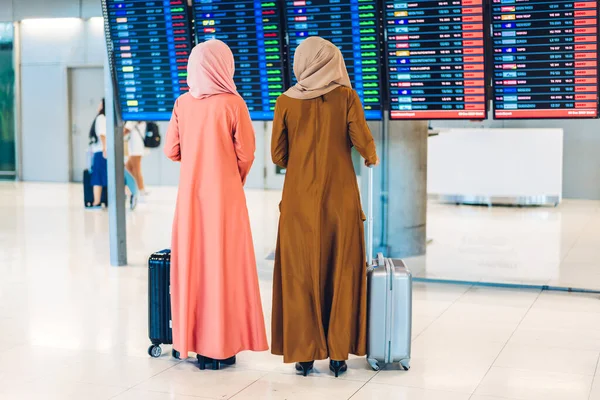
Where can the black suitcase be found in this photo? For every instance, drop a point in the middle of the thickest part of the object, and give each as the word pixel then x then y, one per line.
pixel 159 302
pixel 88 190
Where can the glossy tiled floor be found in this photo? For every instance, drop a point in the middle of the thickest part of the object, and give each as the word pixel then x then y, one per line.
pixel 72 327
pixel 532 246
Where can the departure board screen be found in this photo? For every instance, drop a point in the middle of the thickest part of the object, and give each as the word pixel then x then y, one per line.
pixel 353 26
pixel 151 42
pixel 252 29
pixel 545 58
pixel 435 59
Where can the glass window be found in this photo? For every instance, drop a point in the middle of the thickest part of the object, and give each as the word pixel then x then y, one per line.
pixel 7 115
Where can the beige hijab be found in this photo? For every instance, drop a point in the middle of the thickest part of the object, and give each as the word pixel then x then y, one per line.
pixel 210 70
pixel 319 68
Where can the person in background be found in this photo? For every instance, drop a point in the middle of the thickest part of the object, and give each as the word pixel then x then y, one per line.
pixel 134 192
pixel 99 176
pixel 137 133
pixel 319 279
pixel 130 181
pixel 215 297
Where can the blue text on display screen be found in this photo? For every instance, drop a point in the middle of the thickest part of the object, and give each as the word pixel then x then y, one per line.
pixel 252 29
pixel 151 43
pixel 353 26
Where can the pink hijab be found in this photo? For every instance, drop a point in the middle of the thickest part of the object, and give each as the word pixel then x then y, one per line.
pixel 210 70
pixel 319 68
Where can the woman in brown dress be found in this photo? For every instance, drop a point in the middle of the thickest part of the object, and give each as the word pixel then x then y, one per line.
pixel 319 282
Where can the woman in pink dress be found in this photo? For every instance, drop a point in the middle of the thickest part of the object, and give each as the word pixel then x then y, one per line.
pixel 215 297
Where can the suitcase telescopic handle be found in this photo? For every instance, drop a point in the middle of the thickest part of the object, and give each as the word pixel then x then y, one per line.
pixel 370 217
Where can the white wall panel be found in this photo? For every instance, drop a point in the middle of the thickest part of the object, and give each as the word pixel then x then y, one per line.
pixel 581 168
pixel 46 9
pixel 95 41
pixel 6 11
pixel 53 41
pixel 48 48
pixel 582 161
pixel 91 8
pixel 152 166
pixel 45 127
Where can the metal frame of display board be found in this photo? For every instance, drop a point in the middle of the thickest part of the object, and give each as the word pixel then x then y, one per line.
pixel 117 225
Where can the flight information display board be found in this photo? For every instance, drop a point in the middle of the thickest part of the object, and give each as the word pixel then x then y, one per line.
pixel 151 42
pixel 545 58
pixel 252 29
pixel 353 26
pixel 435 59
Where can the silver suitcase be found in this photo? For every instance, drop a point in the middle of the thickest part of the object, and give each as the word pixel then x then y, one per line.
pixel 389 304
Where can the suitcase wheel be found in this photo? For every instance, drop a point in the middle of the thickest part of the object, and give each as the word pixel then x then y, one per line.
pixel 405 364
pixel 154 351
pixel 176 354
pixel 374 364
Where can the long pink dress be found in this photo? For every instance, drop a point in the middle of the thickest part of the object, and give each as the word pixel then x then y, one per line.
pixel 215 295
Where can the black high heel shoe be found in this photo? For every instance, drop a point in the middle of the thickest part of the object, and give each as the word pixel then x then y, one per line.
pixel 305 367
pixel 202 361
pixel 216 364
pixel 228 361
pixel 338 367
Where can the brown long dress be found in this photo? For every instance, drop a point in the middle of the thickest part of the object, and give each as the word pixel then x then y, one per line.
pixel 319 282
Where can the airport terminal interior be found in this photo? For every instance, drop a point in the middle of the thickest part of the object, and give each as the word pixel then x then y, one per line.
pixel 488 189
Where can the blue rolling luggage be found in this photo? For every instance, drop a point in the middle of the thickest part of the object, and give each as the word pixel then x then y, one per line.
pixel 88 191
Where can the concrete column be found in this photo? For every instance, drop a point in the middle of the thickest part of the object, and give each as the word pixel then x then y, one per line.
pixel 405 188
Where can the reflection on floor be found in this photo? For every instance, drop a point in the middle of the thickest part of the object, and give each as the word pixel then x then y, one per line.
pixel 532 246
pixel 72 327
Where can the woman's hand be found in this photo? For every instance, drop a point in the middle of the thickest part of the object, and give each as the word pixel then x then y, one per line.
pixel 368 164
